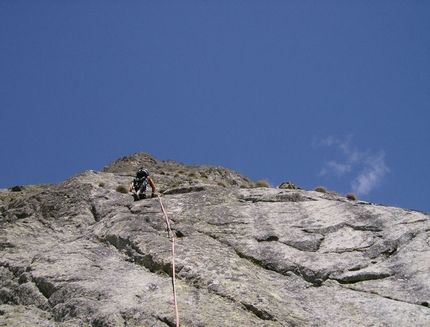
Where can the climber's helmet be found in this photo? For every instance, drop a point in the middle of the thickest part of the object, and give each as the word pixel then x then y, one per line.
pixel 142 173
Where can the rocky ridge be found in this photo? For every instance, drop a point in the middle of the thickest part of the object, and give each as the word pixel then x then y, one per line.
pixel 82 253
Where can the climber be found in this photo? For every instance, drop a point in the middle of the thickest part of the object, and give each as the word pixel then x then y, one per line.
pixel 138 186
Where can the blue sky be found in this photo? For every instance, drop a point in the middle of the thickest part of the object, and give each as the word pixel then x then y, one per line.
pixel 320 93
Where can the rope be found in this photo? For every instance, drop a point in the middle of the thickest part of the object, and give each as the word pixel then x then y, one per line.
pixel 172 237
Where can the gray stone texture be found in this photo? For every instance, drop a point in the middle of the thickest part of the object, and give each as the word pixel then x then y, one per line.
pixel 81 253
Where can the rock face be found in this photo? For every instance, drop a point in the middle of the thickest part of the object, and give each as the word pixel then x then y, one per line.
pixel 81 253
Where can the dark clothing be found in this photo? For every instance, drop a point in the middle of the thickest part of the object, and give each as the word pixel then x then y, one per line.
pixel 139 197
pixel 139 184
pixel 139 187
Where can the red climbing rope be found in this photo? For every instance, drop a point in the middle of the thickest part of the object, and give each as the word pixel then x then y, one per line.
pixel 172 237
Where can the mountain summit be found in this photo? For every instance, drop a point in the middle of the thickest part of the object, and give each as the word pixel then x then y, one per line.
pixel 83 253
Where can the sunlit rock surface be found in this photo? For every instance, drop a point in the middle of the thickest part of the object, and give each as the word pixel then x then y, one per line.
pixel 82 253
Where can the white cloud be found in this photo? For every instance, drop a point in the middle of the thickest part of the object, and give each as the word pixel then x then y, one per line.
pixel 328 141
pixel 371 176
pixel 373 167
pixel 352 156
pixel 337 168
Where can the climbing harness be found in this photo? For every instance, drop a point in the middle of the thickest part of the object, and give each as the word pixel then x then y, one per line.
pixel 172 237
